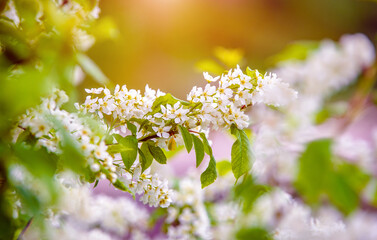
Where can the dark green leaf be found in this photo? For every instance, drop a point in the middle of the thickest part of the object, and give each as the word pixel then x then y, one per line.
pixel 146 157
pixel 210 174
pixel 199 150
pixel 186 137
pixel 96 183
pixel 157 153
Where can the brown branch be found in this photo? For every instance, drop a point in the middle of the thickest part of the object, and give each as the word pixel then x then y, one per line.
pixel 20 237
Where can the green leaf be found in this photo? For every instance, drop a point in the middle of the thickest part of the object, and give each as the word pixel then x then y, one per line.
pixel 210 174
pixel 157 153
pixel 354 176
pixel 121 186
pixel 96 183
pixel 254 233
pixel 341 193
pixel 129 150
pixel 241 154
pixel 296 51
pixel 146 156
pixel 247 192
pixel 92 69
pixel 207 147
pixel 199 149
pixel 131 127
pixel 223 167
pixel 314 170
pixel 164 100
pixel 29 199
pixel 116 148
pixel 186 137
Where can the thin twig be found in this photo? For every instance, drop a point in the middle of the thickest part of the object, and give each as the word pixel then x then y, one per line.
pixel 24 230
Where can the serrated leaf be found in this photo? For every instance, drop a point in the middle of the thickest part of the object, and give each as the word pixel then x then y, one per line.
pixel 129 150
pixel 146 157
pixel 210 174
pixel 207 147
pixel 157 153
pixel 186 137
pixel 132 128
pixel 199 149
pixel 241 154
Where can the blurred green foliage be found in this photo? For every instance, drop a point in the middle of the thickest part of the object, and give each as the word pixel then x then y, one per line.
pixel 321 177
pixel 42 43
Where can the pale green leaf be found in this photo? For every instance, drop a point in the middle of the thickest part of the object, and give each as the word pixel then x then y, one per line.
pixel 241 154
pixel 92 69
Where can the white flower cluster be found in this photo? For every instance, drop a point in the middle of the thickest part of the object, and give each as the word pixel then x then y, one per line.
pixel 154 190
pixel 224 105
pixel 123 104
pixel 216 107
pixel 82 215
pixel 289 219
pixel 281 137
pixel 189 211
pixel 41 122
pixel 330 67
